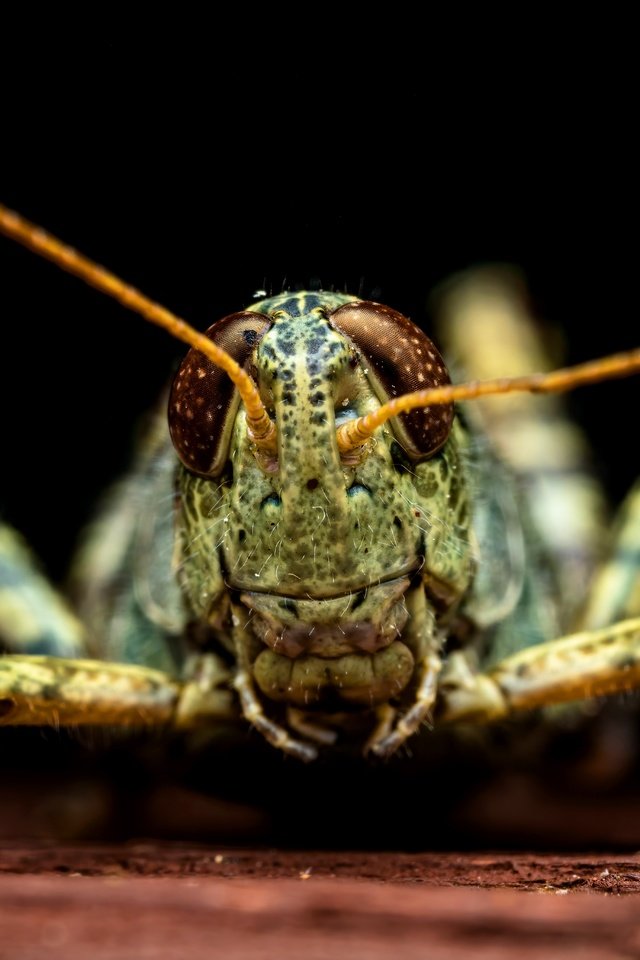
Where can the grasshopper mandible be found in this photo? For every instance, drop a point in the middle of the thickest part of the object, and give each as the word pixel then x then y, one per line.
pixel 325 577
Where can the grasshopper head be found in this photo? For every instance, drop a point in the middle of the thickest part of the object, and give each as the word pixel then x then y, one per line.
pixel 320 548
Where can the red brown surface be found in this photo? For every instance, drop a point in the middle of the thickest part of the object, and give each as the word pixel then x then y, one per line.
pixel 168 900
pixel 215 881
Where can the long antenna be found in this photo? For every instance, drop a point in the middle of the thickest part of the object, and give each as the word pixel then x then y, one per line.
pixel 262 429
pixel 355 433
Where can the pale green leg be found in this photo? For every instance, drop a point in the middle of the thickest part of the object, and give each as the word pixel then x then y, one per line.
pixel 485 320
pixel 421 640
pixel 40 691
pixel 602 659
pixel 37 691
pixel 123 575
pixel 585 665
pixel 614 593
pixel 34 619
pixel 277 735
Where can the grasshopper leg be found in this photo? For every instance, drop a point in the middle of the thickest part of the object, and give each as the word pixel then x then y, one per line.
pixel 423 641
pixel 300 722
pixel 415 716
pixel 36 691
pixel 277 735
pixel 614 593
pixel 603 658
pixel 487 324
pixel 584 665
pixel 34 619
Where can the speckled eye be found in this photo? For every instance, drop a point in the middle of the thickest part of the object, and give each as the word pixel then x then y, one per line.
pixel 399 358
pixel 203 401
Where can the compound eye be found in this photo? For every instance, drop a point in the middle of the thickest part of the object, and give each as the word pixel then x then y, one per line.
pixel 399 358
pixel 203 401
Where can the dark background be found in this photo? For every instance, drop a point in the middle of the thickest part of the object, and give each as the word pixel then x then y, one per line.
pixel 203 165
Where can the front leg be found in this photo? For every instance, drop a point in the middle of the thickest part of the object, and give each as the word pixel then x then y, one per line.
pixel 37 691
pixel 584 665
pixel 277 735
pixel 40 691
pixel 421 638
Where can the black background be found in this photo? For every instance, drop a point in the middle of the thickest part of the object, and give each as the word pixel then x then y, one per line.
pixel 203 164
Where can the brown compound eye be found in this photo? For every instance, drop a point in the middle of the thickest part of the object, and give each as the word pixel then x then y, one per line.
pixel 203 401
pixel 399 358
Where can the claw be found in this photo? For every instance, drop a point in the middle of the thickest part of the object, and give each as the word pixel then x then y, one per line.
pixel 383 741
pixel 299 721
pixel 277 735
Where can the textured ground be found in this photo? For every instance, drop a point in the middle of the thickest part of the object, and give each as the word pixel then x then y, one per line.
pixel 168 900
pixel 335 865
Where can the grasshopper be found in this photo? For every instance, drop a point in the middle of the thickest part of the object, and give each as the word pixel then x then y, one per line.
pixel 326 550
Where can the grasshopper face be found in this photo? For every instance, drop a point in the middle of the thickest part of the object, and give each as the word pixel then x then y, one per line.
pixel 317 554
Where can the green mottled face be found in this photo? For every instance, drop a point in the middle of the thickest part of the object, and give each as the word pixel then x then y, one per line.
pixel 323 551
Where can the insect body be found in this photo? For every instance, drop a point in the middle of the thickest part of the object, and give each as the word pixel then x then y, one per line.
pixel 331 562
